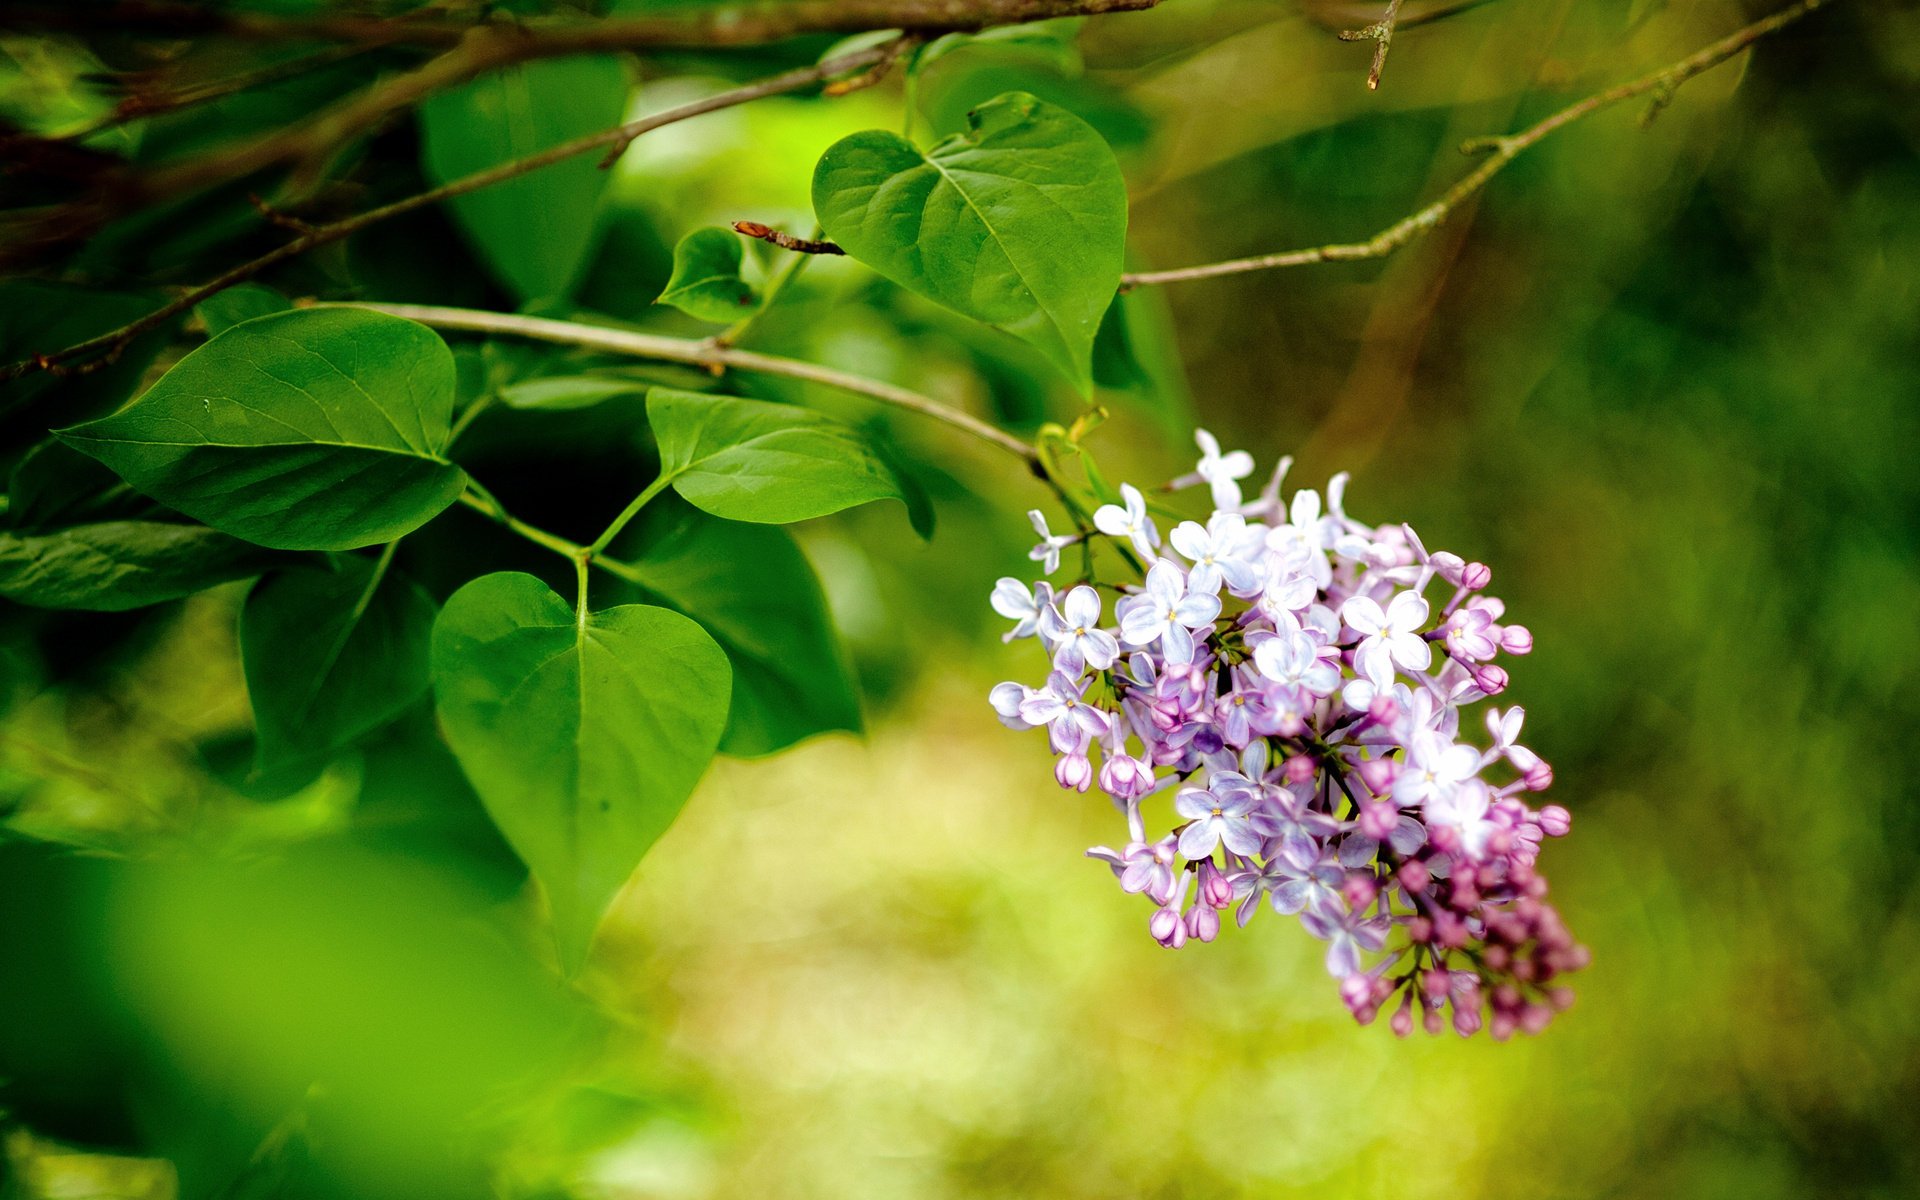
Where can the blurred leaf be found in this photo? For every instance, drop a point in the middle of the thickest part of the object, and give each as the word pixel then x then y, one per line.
pixel 112 566
pixel 749 460
pixel 1021 222
pixel 39 318
pixel 1053 44
pixel 755 592
pixel 706 279
pixel 567 391
pixel 56 485
pixel 535 230
pixel 584 733
pixel 331 653
pixel 1135 354
pixel 319 429
pixel 243 302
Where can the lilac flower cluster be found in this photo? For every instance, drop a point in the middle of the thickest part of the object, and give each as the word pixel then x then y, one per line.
pixel 1285 674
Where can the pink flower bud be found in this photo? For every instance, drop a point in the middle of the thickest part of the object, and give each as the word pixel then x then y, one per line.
pixel 1378 819
pixel 1402 1020
pixel 1447 565
pixel 1378 774
pixel 1555 821
pixel 1166 928
pixel 1516 639
pixel 1301 768
pixel 1490 679
pixel 1359 891
pixel 1203 922
pixel 1384 710
pixel 1214 888
pixel 1414 875
pixel 1074 771
pixel 1476 575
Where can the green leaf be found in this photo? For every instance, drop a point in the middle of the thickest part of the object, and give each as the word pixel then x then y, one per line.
pixel 243 302
pixel 706 279
pixel 1020 222
pixel 583 737
pixel 562 392
pixel 1136 355
pixel 318 429
pixel 111 566
pixel 331 652
pixel 755 592
pixel 748 460
pixel 1054 43
pixel 54 486
pixel 535 231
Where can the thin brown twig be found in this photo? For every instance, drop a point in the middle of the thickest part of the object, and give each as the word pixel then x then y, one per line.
pixel 321 235
pixel 657 348
pixel 1500 150
pixel 743 23
pixel 1381 34
pixel 786 241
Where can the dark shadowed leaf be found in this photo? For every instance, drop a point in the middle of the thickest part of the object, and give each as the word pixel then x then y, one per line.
pixel 535 230
pixel 756 593
pixel 110 566
pixel 331 651
pixel 243 302
pixel 1020 222
pixel 319 429
pixel 583 737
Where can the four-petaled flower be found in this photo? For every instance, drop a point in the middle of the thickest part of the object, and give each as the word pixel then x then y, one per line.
pixel 1215 819
pixel 1221 551
pixel 1047 553
pixel 1073 630
pixel 1393 631
pixel 1346 933
pixel 1129 520
pixel 1070 720
pixel 1222 472
pixel 1294 659
pixel 1012 600
pixel 1167 612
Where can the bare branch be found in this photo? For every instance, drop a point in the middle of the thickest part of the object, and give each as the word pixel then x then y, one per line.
pixel 785 241
pixel 1500 151
pixel 747 23
pixel 705 354
pixel 113 341
pixel 1381 34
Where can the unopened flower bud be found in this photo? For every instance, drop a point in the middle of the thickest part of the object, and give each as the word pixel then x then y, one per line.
pixel 1475 576
pixel 1516 639
pixel 1555 821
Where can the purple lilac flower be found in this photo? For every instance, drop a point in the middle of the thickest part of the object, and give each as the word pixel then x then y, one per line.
pixel 1285 693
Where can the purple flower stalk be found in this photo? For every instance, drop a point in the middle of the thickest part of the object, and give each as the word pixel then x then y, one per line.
pixel 1284 677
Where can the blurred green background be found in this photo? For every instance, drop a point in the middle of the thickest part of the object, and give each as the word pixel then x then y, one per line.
pixel 1666 381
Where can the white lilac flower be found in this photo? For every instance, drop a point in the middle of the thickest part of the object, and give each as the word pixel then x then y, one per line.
pixel 1072 628
pixel 1215 820
pixel 1393 631
pixel 1014 601
pixel 1070 720
pixel 1220 553
pixel 1286 698
pixel 1047 553
pixel 1301 543
pixel 1167 612
pixel 1129 520
pixel 1294 659
pixel 1222 472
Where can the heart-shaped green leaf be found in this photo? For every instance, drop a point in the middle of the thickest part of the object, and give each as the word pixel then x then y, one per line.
pixel 534 231
pixel 1021 222
pixel 749 460
pixel 318 429
pixel 583 733
pixel 110 566
pixel 755 592
pixel 331 652
pixel 706 279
